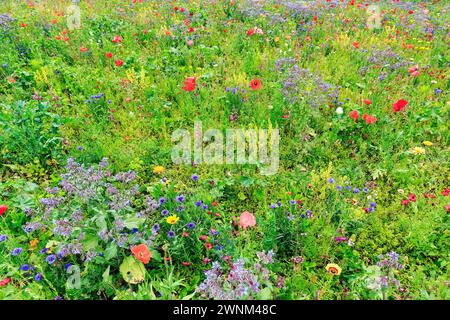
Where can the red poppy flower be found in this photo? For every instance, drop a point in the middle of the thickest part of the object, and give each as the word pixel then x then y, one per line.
pixel 191 29
pixel 356 44
pixel 250 32
pixel 412 197
pixel 367 102
pixel 186 264
pixel 189 84
pixel 83 49
pixel 354 115
pixel 255 84
pixel 118 62
pixel 141 253
pixel 208 246
pixel 109 55
pixel 405 202
pixel 117 39
pixel 214 204
pixel 400 105
pixel 4 282
pixel 369 119
pixel 3 209
pixel 446 192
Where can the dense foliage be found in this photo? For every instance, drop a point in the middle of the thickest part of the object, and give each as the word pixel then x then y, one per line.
pixel 92 206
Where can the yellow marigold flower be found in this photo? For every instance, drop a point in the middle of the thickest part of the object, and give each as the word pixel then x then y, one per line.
pixel 333 269
pixel 418 150
pixel 427 143
pixel 158 169
pixel 172 219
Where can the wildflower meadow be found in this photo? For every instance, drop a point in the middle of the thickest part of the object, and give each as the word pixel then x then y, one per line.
pixel 224 150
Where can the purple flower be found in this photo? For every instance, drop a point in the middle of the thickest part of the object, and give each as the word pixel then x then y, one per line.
pixel 195 177
pixel 180 198
pixel 3 237
pixel 331 180
pixel 191 225
pixel 171 234
pixel 17 251
pixel 24 267
pixel 38 277
pixel 51 259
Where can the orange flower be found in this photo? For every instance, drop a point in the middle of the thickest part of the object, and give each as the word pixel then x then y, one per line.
pixel 255 84
pixel 141 253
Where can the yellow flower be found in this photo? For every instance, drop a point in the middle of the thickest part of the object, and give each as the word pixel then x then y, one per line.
pixel 427 143
pixel 418 150
pixel 172 219
pixel 333 269
pixel 158 169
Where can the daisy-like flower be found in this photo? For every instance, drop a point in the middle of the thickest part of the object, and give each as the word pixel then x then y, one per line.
pixel 417 150
pixel 172 219
pixel 427 143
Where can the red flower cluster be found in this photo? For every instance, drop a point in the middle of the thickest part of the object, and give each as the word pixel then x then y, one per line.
pixel 3 209
pixel 189 84
pixel 400 105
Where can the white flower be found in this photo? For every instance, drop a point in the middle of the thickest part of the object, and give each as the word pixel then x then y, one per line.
pixel 339 110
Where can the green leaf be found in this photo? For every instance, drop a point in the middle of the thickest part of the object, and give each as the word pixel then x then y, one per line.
pixel 90 242
pixel 133 222
pixel 106 277
pixel 156 256
pixel 111 251
pixel 132 271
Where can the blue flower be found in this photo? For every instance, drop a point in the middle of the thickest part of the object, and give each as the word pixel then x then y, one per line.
pixel 3 237
pixel 191 225
pixel 24 267
pixel 292 202
pixel 331 180
pixel 165 212
pixel 38 277
pixel 195 177
pixel 162 200
pixel 356 190
pixel 171 234
pixel 198 203
pixel 17 251
pixel 51 259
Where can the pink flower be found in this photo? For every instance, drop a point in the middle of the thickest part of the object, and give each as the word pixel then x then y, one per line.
pixel 247 220
pixel 190 42
pixel 414 71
